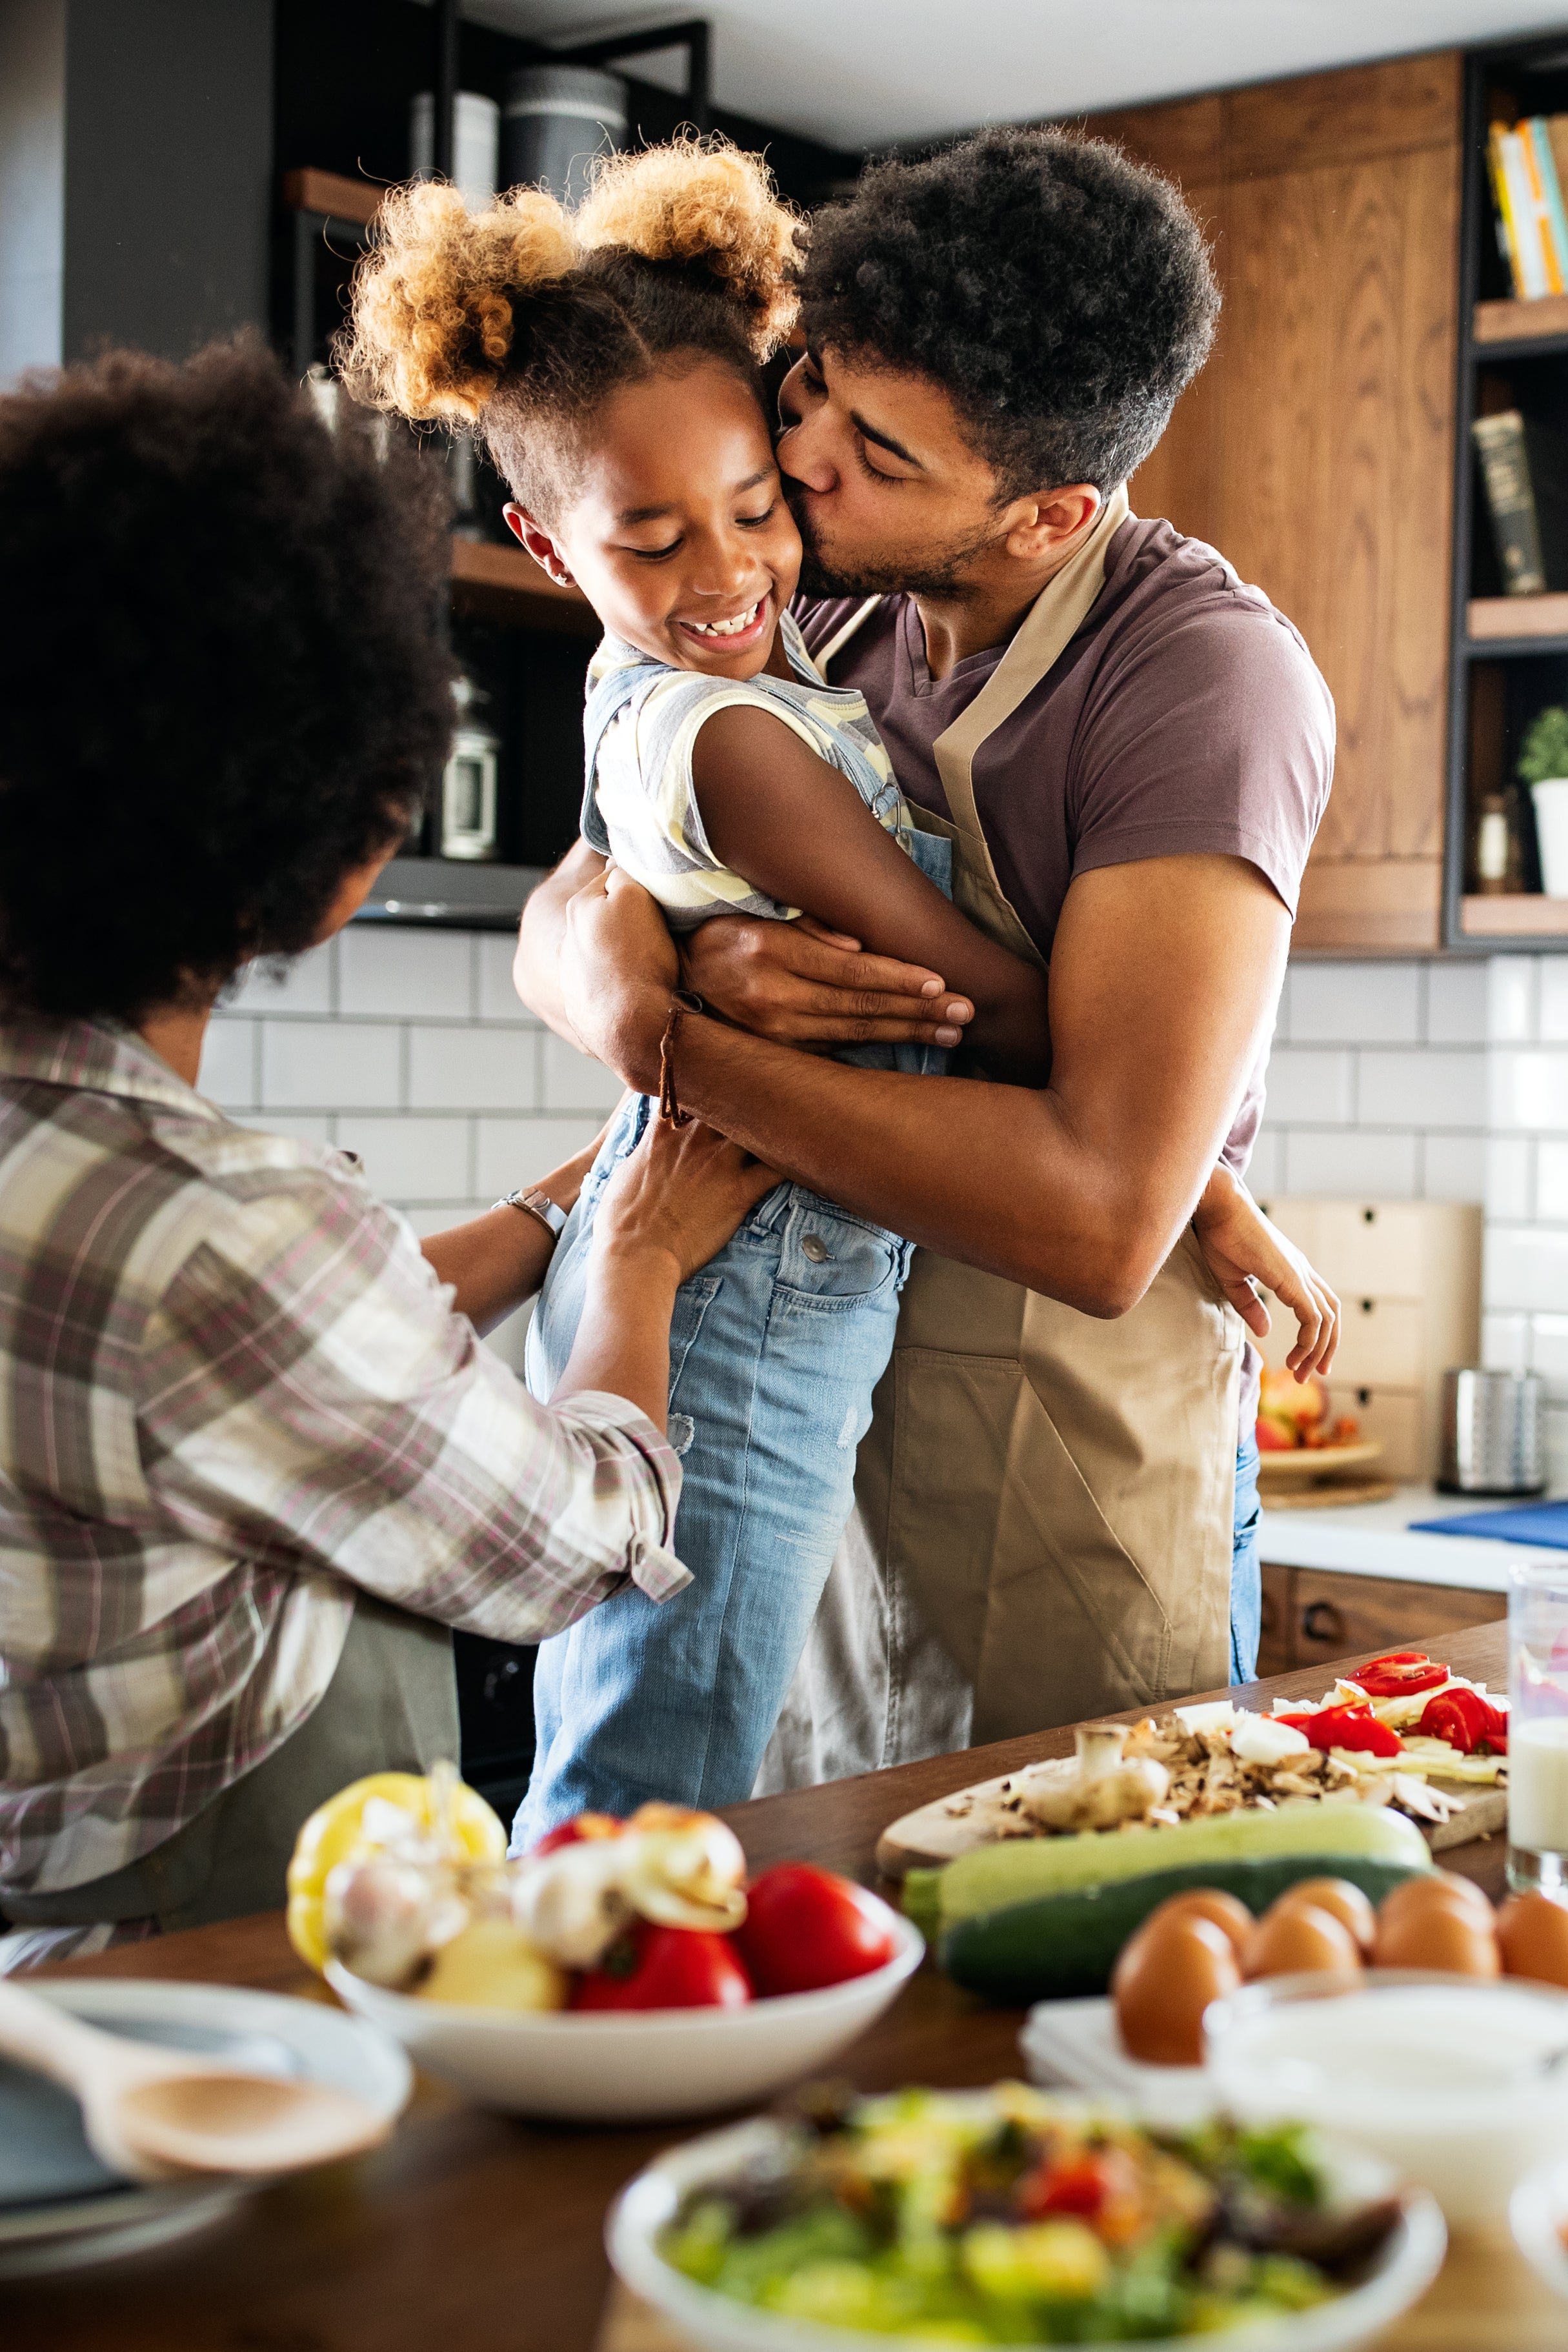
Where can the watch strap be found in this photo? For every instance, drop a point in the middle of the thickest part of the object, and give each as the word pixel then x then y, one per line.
pixel 536 1205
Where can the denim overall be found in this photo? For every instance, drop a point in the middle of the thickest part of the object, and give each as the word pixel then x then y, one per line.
pixel 775 1350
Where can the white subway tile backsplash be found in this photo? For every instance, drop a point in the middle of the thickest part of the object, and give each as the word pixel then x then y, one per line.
pixel 1552 1000
pixel 393 969
pixel 1526 1267
pixel 1505 1343
pixel 571 1081
pixel 1551 1181
pixel 1355 1004
pixel 472 1069
pixel 307 1126
pixel 1454 1168
pixel 1509 1194
pixel 329 1065
pixel 1528 1090
pixel 1510 1000
pixel 304 986
pixel 227 1073
pixel 1351 1164
pixel 1548 1354
pixel 408 1159
pixel 513 1152
pixel 498 999
pixel 1421 1089
pixel 1456 1003
pixel 1308 1086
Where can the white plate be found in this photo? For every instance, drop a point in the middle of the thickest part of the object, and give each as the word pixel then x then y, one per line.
pixel 634 2066
pixel 1075 2045
pixel 264 2029
pixel 1409 2262
pixel 1538 2214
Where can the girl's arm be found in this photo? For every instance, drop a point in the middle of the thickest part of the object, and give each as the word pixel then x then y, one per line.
pixel 796 828
pixel 1244 1247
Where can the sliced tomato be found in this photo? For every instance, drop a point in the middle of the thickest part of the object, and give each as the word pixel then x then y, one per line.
pixel 666 1967
pixel 1078 2184
pixel 1355 1728
pixel 1466 1720
pixel 805 1927
pixel 1398 1675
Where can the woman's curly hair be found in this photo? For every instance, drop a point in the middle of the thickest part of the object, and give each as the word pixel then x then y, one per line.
pixel 222 685
pixel 1060 294
pixel 520 321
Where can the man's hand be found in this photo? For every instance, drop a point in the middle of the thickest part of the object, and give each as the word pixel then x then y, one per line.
pixel 618 970
pixel 801 985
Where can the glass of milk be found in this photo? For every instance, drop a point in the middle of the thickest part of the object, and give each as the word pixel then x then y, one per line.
pixel 1538 1726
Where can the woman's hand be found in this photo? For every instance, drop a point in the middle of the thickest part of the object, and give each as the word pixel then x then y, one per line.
pixel 681 1194
pixel 1244 1247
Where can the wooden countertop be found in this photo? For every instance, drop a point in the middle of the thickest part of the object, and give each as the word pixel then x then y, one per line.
pixel 482 2232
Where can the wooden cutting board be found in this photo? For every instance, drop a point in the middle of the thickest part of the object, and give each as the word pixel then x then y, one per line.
pixel 955 1824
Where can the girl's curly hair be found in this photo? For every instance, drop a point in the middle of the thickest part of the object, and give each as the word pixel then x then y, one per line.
pixel 522 320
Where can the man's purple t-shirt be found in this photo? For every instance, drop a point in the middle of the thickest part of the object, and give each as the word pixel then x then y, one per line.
pixel 1187 715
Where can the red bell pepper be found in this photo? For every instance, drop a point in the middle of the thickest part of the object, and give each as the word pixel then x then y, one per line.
pixel 573 1832
pixel 1398 1675
pixel 1355 1728
pixel 666 1967
pixel 1466 1720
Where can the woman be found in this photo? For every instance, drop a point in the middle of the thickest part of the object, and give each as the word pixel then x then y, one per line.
pixel 253 1461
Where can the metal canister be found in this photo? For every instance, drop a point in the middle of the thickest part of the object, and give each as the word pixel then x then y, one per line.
pixel 1493 1433
pixel 555 121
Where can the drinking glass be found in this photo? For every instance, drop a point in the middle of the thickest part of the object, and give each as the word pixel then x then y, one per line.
pixel 1538 1726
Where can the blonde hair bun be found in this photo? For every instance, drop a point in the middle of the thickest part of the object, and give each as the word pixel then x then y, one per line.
pixel 433 312
pixel 709 205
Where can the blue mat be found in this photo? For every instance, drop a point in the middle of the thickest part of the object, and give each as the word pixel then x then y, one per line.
pixel 1528 1523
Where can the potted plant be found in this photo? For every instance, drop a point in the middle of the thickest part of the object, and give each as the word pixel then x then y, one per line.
pixel 1544 766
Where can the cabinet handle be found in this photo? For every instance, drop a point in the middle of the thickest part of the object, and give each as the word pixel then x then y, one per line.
pixel 1322 1621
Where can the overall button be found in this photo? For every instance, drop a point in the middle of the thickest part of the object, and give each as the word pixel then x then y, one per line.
pixel 815 1248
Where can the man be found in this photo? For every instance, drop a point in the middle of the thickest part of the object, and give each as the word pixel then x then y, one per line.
pixel 1132 750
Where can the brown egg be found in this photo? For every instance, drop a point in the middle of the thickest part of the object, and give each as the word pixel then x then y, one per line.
pixel 1291 1941
pixel 1532 1937
pixel 1231 1917
pixel 1439 1888
pixel 1167 1975
pixel 1342 1901
pixel 1439 1934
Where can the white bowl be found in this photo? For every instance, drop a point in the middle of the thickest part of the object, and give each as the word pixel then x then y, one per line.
pixel 1408 2261
pixel 1538 2212
pixel 632 2066
pixel 1440 2074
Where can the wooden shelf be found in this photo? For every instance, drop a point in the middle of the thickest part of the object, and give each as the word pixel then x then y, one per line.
pixel 505 584
pixel 1494 619
pixel 1527 917
pixel 309 191
pixel 1522 322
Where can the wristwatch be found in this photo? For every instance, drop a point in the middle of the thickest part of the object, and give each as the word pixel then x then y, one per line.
pixel 536 1205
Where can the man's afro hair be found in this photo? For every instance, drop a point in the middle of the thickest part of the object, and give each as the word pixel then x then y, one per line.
pixel 1061 295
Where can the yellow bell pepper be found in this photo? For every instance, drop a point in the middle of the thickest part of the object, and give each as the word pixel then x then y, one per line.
pixel 335 1832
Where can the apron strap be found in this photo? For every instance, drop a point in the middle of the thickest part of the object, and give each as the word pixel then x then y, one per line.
pixel 1047 628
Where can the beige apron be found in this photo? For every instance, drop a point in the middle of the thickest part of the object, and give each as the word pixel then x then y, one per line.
pixel 1043 1502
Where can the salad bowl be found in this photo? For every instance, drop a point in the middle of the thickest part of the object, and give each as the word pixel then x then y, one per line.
pixel 1405 2265
pixel 633 2066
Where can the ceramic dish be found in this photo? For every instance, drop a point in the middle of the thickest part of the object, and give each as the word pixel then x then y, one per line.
pixel 1538 2214
pixel 1406 2264
pixel 633 2066
pixel 61 2210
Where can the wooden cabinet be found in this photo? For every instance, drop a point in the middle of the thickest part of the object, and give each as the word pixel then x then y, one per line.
pixel 1316 449
pixel 1312 1617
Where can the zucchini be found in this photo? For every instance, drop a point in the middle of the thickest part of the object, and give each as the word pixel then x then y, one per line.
pixel 990 1877
pixel 1058 1945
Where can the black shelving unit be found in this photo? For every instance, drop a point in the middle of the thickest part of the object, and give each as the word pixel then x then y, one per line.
pixel 1509 353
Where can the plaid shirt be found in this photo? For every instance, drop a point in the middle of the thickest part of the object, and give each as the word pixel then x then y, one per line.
pixel 232 1389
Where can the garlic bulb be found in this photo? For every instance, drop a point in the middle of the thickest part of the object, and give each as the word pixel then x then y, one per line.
pixel 383 1916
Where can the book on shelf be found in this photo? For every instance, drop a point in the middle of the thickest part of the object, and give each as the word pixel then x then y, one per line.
pixel 1526 165
pixel 1524 469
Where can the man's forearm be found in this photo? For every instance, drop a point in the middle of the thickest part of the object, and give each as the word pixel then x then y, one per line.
pixel 991 1175
pixel 536 967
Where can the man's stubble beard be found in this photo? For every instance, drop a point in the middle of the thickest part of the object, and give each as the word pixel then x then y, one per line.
pixel 923 571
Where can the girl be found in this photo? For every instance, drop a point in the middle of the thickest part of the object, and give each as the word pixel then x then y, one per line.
pixel 610 358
